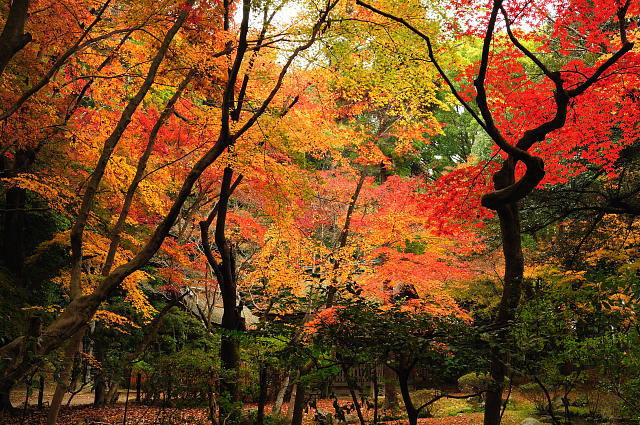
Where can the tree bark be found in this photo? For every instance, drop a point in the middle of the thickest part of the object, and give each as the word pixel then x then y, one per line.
pixel 284 386
pixel 225 272
pixel 5 398
pixel 298 404
pixel 262 397
pixel 41 392
pixel 509 217
pixel 412 412
pixel 73 348
pixel 100 386
pixel 352 391
pixel 390 390
pixel 376 393
pixel 138 387
pixel 13 250
pixel 231 317
pixel 13 38
pixel 292 403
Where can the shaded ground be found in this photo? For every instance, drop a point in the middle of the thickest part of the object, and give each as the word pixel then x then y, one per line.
pixel 83 398
pixel 148 415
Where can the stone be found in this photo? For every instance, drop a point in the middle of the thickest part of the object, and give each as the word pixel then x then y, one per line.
pixel 531 421
pixel 323 417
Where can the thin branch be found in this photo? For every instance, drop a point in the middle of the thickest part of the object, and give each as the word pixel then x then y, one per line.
pixel 432 56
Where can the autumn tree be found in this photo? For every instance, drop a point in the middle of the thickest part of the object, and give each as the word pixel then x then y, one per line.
pixel 564 90
pixel 83 306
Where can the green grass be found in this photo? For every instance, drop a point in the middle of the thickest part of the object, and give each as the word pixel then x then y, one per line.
pixel 517 408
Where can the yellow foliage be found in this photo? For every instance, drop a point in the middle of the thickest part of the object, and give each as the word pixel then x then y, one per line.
pixel 114 321
pixel 51 189
pixel 95 248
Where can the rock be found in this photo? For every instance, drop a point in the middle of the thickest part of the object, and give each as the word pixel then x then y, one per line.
pixel 323 417
pixel 348 419
pixel 352 418
pixel 531 421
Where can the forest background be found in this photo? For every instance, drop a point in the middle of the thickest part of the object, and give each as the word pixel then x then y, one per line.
pixel 247 201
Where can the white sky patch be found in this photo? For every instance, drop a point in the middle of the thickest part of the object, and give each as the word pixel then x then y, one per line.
pixel 285 16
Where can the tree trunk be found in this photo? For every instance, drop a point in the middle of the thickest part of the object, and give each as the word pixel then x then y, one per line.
pixel 513 273
pixel 13 231
pixel 284 386
pixel 292 402
pixel 230 357
pixel 352 391
pixel 298 404
pixel 262 397
pixel 412 412
pixel 73 348
pixel 114 392
pixel 5 399
pixel 390 391
pixel 138 387
pixel 100 386
pixel 225 272
pixel 376 393
pixel 13 38
pixel 41 392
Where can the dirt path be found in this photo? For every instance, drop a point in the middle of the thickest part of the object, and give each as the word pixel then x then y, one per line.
pixel 83 398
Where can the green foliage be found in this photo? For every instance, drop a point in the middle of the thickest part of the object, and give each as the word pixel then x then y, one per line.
pixel 566 340
pixel 474 382
pixel 249 417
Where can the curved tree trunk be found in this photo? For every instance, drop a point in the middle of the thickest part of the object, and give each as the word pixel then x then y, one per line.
pixel 513 275
pixel 225 272
pixel 412 412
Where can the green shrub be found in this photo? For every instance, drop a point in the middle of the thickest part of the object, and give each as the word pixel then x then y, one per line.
pixel 250 417
pixel 474 382
pixel 534 394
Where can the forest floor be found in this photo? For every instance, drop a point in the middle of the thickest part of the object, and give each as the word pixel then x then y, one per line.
pixel 148 415
pixel 445 412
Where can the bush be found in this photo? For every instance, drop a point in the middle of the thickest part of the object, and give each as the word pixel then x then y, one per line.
pixel 250 417
pixel 534 394
pixel 474 382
